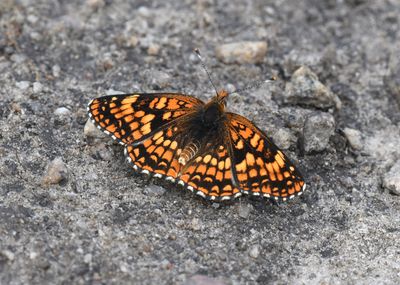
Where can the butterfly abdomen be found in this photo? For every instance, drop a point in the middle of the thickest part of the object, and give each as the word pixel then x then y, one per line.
pixel 188 152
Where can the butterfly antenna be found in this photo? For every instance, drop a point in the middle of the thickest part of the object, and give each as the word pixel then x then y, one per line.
pixel 197 51
pixel 254 85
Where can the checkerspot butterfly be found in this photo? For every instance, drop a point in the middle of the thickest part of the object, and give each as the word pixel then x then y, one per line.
pixel 217 154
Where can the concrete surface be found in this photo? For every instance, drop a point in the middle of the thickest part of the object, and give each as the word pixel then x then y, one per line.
pixel 73 212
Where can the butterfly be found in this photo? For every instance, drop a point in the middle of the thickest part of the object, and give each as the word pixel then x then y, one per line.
pixel 216 154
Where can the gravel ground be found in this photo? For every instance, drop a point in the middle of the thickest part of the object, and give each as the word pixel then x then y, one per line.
pixel 73 212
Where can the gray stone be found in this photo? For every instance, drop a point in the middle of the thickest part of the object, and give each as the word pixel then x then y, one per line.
pixel 354 138
pixel 242 52
pixel 318 128
pixel 391 180
pixel 284 138
pixel 37 87
pixel 254 251
pixel 305 89
pixel 91 131
pixel 155 190
pixel 62 111
pixel 56 172
pixel 244 210
pixel 23 85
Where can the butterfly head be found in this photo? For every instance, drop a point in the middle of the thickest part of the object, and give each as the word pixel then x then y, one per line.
pixel 221 95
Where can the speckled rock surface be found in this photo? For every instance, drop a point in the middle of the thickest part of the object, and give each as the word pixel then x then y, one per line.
pixel 102 224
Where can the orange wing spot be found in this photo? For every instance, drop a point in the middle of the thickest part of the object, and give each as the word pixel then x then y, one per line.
pixel 168 155
pixel 111 128
pixel 254 140
pixel 219 176
pixel 169 133
pixel 227 163
pixel 207 158
pixel 147 143
pixel 291 168
pixel 147 118
pixel 228 175
pixel 266 189
pixel 196 177
pixel 208 179
pixel 242 176
pixel 214 161
pixel 241 167
pixel 112 105
pixel 159 151
pixel 250 159
pixel 101 116
pixel 263 172
pixel 226 194
pixel 159 141
pixel 297 187
pixel 123 132
pixel 133 126
pixel 166 115
pixel 215 188
pixel 173 104
pixel 246 133
pixel 157 135
pixel 154 157
pixel 286 174
pixel 253 173
pixel 271 173
pixel 139 114
pixel 102 124
pixel 145 129
pixel 136 152
pixel 211 171
pixel 151 148
pixel 153 103
pixel 276 167
pixel 167 143
pixel 161 104
pixel 260 146
pixel 279 160
pixel 129 119
pixel 114 110
pixel 227 188
pixel 202 169
pixel 290 182
pixel 239 144
pixel 198 159
pixel 130 100
pixel 221 165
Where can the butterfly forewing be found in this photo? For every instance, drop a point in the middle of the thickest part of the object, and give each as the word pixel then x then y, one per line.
pixel 260 167
pixel 132 118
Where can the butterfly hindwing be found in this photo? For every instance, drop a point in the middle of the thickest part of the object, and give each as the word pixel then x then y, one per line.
pixel 260 167
pixel 210 174
pixel 134 117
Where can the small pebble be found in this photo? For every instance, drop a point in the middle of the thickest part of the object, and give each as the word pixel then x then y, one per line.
pixel 91 131
pixel 304 88
pixel 37 87
pixel 354 138
pixel 155 190
pixel 87 258
pixel 242 52
pixel 56 70
pixel 391 180
pixel 62 111
pixel 8 254
pixel 254 251
pixel 244 210
pixel 56 172
pixel 153 49
pixel 23 85
pixel 195 224
pixel 318 128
